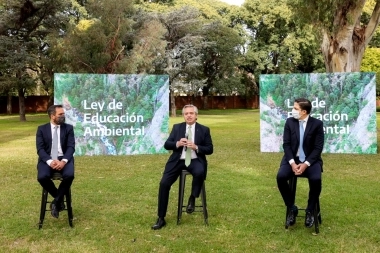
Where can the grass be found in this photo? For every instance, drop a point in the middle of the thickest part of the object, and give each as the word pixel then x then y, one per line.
pixel 115 198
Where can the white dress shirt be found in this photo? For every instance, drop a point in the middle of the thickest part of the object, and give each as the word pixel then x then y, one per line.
pixel 193 153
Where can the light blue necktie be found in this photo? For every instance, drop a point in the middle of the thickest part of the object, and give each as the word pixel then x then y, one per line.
pixel 188 150
pixel 301 152
pixel 54 147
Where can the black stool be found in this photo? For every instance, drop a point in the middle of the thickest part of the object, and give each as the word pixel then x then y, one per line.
pixel 44 202
pixel 317 210
pixel 181 191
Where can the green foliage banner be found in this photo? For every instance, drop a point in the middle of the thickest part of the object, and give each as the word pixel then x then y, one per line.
pixel 345 102
pixel 115 114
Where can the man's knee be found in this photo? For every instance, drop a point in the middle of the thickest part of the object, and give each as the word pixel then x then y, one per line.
pixel 42 179
pixel 315 180
pixel 281 176
pixel 68 177
pixel 165 184
pixel 198 174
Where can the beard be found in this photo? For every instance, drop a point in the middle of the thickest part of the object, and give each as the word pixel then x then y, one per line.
pixel 60 120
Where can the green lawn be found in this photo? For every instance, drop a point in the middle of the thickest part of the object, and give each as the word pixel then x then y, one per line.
pixel 115 198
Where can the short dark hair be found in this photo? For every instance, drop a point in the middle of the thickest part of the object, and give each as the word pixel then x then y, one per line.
pixel 51 109
pixel 304 104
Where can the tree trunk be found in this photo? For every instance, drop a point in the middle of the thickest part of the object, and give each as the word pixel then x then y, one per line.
pixel 172 104
pixel 51 100
pixel 205 102
pixel 343 48
pixel 344 52
pixel 205 92
pixel 9 103
pixel 21 103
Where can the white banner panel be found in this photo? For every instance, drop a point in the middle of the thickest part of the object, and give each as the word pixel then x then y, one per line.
pixel 115 114
pixel 345 102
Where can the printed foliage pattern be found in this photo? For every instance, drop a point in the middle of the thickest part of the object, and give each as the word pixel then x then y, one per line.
pixel 345 102
pixel 115 114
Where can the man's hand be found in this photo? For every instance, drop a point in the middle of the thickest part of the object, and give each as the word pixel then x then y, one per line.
pixel 191 145
pixel 57 165
pixel 182 142
pixel 295 167
pixel 300 169
pixel 185 142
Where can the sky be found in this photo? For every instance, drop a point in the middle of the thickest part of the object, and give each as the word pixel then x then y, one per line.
pixel 234 2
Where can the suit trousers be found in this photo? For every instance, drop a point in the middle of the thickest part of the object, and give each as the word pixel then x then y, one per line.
pixel 45 173
pixel 169 177
pixel 314 175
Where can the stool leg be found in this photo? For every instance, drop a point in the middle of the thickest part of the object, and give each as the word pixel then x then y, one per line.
pixel 204 203
pixel 43 207
pixel 181 191
pixel 69 208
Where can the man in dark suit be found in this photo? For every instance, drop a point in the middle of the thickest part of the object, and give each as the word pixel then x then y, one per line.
pixel 59 159
pixel 187 137
pixel 302 158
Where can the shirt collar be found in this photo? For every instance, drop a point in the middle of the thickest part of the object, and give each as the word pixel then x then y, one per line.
pixel 306 119
pixel 192 126
pixel 52 126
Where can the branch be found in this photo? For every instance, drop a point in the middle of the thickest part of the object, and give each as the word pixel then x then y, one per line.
pixel 373 23
pixel 93 71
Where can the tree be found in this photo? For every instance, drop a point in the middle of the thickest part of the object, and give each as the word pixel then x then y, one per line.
pixel 220 60
pixel 276 42
pixel 371 63
pixel 184 44
pixel 147 43
pixel 218 51
pixel 98 43
pixel 23 30
pixel 344 30
pixel 52 59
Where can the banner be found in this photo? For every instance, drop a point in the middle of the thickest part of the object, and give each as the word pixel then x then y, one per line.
pixel 115 114
pixel 345 102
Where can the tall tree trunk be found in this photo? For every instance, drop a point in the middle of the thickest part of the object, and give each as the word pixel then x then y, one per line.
pixel 205 102
pixel 172 104
pixel 205 92
pixel 51 100
pixel 343 48
pixel 344 52
pixel 21 103
pixel 9 103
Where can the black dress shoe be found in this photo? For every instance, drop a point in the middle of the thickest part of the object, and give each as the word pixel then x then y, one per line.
pixel 54 210
pixel 309 219
pixel 291 219
pixel 191 205
pixel 159 224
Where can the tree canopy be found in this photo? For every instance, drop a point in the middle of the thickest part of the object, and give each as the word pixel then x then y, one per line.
pixel 206 47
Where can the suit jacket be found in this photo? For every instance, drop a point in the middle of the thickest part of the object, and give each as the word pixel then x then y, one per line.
pixel 44 142
pixel 312 143
pixel 202 140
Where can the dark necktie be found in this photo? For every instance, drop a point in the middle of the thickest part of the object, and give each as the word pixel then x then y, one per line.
pixel 301 152
pixel 54 148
